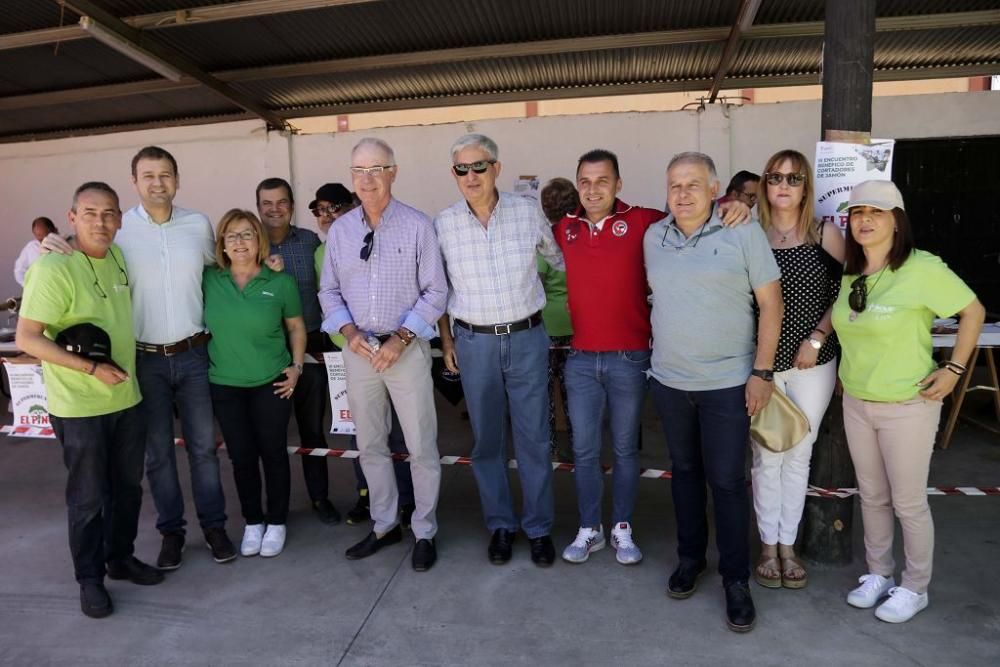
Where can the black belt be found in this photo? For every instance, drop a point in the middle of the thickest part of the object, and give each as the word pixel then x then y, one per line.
pixel 170 349
pixel 383 337
pixel 502 329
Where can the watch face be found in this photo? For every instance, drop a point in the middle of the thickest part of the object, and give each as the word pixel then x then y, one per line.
pixel 815 343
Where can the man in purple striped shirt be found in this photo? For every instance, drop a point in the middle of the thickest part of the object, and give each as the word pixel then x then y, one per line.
pixel 383 287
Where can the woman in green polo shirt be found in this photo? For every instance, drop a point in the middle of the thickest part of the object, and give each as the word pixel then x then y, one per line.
pixel 248 309
pixel 889 297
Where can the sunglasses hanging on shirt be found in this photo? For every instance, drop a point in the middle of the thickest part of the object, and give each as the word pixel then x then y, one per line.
pixel 366 249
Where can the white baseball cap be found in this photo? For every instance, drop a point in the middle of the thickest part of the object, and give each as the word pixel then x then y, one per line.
pixel 882 195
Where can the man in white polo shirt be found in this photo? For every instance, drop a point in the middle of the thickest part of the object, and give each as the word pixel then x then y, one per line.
pixel 166 248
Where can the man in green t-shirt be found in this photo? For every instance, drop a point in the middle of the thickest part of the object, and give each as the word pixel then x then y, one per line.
pixel 93 395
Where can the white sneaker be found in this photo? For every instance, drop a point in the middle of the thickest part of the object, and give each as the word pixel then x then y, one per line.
pixel 902 605
pixel 274 541
pixel 626 552
pixel 252 535
pixel 587 541
pixel 873 587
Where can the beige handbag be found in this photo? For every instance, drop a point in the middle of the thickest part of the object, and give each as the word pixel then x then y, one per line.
pixel 780 425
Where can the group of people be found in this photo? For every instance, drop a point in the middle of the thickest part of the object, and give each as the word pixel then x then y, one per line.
pixel 704 309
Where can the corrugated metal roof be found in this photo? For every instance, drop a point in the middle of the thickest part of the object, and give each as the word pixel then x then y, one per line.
pixel 482 49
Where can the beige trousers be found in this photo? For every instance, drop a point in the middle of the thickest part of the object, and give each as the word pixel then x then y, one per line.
pixel 891 446
pixel 408 382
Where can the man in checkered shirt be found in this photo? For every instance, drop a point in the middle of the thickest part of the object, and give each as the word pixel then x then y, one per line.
pixel 489 240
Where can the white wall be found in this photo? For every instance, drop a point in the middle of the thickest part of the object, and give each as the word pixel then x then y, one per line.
pixel 221 164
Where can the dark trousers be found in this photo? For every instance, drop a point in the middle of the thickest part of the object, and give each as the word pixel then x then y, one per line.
pixel 309 401
pixel 397 445
pixel 254 425
pixel 104 458
pixel 707 434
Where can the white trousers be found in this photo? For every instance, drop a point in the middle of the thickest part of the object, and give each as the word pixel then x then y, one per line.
pixel 408 382
pixel 780 480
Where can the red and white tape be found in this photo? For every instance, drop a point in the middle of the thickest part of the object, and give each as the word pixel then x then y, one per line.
pixel 653 473
pixel 28 431
pixel 647 473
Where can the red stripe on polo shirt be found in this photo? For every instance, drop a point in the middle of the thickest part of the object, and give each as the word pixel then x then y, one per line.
pixel 606 278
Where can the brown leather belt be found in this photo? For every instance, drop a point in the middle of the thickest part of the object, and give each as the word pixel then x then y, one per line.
pixel 170 349
pixel 502 329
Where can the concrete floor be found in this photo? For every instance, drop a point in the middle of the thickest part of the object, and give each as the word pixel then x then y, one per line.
pixel 311 606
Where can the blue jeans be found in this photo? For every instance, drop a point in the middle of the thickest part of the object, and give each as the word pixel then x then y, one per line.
pixel 502 374
pixel 618 380
pixel 103 456
pixel 707 434
pixel 180 379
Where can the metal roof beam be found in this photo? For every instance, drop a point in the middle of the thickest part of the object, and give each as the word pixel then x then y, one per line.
pixel 172 58
pixel 522 49
pixel 569 92
pixel 805 79
pixel 253 8
pixel 744 19
pixel 194 16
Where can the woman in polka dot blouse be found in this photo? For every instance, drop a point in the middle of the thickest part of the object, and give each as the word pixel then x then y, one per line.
pixel 810 256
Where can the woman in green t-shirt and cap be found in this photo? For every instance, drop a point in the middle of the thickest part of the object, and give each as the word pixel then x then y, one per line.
pixel 889 296
pixel 249 308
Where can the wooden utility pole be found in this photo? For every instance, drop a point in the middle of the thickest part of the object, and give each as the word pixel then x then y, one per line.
pixel 848 65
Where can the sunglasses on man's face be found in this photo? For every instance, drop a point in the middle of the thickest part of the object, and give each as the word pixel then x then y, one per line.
pixel 320 211
pixel 776 177
pixel 479 167
pixel 366 249
pixel 858 298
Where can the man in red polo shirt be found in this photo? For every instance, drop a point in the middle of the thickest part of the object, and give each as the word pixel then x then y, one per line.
pixel 609 310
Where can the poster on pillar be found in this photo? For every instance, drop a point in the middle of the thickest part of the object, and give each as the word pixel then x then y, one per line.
pixel 841 166
pixel 28 401
pixel 341 423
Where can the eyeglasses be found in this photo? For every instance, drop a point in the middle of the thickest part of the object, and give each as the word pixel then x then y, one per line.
pixel 372 171
pixel 246 235
pixel 320 211
pixel 479 166
pixel 776 177
pixel 683 245
pixel 366 249
pixel 858 298
pixel 97 283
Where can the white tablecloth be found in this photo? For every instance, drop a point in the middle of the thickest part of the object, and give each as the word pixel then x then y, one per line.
pixel 989 337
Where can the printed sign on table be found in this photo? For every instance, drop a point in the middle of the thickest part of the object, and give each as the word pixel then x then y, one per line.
pixel 29 402
pixel 840 166
pixel 341 424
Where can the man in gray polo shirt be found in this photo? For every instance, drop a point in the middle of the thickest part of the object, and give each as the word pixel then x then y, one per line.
pixel 712 367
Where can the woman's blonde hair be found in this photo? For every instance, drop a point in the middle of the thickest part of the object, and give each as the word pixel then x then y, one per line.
pixel 235 215
pixel 807 228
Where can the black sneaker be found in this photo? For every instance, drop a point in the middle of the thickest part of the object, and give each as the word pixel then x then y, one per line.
pixel 361 511
pixel 220 545
pixel 328 514
pixel 95 601
pixel 170 551
pixel 135 571
pixel 406 515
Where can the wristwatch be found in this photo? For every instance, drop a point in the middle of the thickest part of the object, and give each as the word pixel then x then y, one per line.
pixel 765 374
pixel 816 344
pixel 405 335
